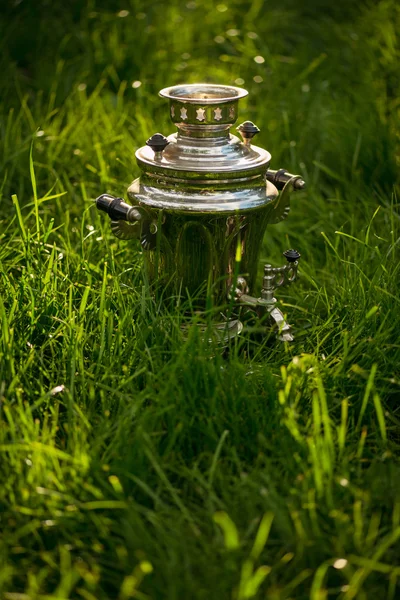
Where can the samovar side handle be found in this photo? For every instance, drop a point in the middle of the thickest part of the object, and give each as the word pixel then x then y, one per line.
pixel 288 183
pixel 281 177
pixel 126 220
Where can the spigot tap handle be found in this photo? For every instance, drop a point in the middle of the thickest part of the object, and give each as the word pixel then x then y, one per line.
pixel 292 255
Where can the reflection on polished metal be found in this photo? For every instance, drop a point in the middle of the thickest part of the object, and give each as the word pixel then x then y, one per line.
pixel 202 204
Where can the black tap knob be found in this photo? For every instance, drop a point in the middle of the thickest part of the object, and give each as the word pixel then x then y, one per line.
pixel 291 255
pixel 157 142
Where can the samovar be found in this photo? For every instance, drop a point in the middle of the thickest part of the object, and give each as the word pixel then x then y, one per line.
pixel 201 207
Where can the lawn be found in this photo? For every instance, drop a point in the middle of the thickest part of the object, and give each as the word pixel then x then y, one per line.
pixel 138 461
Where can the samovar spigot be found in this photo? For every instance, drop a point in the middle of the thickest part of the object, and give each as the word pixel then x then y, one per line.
pixel 274 277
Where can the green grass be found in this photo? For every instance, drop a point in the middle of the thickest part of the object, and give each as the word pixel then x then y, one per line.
pixel 139 463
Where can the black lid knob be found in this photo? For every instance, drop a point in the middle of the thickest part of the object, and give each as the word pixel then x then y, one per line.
pixel 157 142
pixel 247 130
pixel 291 255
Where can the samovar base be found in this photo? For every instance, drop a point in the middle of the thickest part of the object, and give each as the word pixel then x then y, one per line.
pixel 220 333
pixel 224 332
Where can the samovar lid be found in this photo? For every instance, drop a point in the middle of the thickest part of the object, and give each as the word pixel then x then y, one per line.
pixel 203 148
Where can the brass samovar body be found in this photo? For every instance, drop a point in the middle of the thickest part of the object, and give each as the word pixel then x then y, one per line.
pixel 202 204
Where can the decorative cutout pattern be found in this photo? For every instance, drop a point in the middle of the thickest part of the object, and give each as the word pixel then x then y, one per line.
pixel 215 115
pixel 200 114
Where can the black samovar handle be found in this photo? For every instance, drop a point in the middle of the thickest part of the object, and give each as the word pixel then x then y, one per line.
pixel 127 222
pixel 281 177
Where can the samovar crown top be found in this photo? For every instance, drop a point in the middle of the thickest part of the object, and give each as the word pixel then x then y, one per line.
pixel 203 146
pixel 203 105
